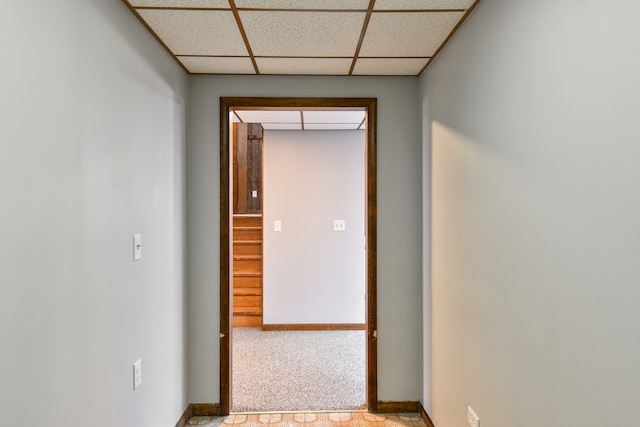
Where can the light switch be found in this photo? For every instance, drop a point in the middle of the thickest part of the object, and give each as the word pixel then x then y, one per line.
pixel 339 225
pixel 277 225
pixel 254 194
pixel 137 247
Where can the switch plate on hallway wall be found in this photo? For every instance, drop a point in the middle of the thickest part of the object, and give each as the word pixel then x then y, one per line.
pixel 137 247
pixel 474 420
pixel 277 225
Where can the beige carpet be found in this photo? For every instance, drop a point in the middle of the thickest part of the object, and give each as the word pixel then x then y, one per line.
pixel 297 370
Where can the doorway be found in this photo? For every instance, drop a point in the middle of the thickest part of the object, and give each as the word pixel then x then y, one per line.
pixel 369 106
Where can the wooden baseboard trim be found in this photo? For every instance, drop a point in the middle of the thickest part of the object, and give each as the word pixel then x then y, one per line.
pixel 204 409
pixel 314 327
pixel 390 407
pixel 182 422
pixel 425 417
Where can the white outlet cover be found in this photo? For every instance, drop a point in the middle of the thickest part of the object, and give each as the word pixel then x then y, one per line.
pixel 474 420
pixel 339 225
pixel 137 373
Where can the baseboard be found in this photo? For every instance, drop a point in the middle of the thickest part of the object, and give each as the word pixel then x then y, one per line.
pixel 182 422
pixel 198 410
pixel 204 409
pixel 391 407
pixel 425 416
pixel 314 327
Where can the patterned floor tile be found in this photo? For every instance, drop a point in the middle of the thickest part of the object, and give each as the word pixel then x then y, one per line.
pixel 311 419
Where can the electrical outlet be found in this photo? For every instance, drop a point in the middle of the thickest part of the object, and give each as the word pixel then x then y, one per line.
pixel 339 225
pixel 473 419
pixel 137 373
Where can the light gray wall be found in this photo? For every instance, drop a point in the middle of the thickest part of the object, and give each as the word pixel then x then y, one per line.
pixel 313 274
pixel 533 112
pixel 91 152
pixel 399 221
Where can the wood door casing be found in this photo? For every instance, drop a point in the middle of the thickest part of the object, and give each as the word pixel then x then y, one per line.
pixel 370 106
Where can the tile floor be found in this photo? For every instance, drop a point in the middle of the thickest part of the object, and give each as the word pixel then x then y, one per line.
pixel 311 419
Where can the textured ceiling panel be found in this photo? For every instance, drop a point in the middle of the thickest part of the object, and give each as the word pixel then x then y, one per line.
pixel 282 126
pixel 331 126
pixel 306 66
pixel 408 34
pixel 269 116
pixel 389 66
pixel 189 32
pixel 304 4
pixel 224 4
pixel 333 117
pixel 303 33
pixel 211 65
pixel 422 4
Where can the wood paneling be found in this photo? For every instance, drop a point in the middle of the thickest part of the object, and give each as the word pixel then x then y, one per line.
pixel 247 168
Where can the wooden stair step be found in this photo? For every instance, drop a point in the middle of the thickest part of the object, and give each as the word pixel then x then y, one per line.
pixel 247 292
pixel 247 274
pixel 247 257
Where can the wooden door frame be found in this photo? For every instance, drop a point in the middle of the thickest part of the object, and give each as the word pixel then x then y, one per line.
pixel 370 106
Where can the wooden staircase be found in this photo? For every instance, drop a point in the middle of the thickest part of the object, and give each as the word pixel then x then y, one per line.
pixel 247 270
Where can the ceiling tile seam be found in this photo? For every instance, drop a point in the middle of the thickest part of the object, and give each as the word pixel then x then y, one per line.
pixel 155 35
pixel 236 15
pixel 442 45
pixel 365 24
pixel 419 10
pixel 204 9
pixel 249 9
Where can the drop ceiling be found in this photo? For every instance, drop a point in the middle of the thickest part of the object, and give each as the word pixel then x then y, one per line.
pixel 293 119
pixel 303 37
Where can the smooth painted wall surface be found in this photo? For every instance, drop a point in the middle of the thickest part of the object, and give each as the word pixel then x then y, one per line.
pixel 313 274
pixel 399 221
pixel 91 152
pixel 534 130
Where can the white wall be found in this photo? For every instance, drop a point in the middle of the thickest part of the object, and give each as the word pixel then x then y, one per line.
pixel 399 221
pixel 91 152
pixel 533 112
pixel 313 274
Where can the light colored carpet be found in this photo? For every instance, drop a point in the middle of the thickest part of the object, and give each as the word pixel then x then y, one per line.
pixel 297 370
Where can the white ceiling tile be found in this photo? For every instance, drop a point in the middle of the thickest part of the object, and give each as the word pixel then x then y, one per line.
pixel 303 33
pixel 281 126
pixel 422 4
pixel 389 66
pixel 337 116
pixel 304 4
pixel 189 32
pixel 408 34
pixel 331 126
pixel 217 65
pixel 304 66
pixel 270 116
pixel 217 4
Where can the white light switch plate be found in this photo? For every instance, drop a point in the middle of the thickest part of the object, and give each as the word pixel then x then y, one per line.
pixel 277 225
pixel 339 225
